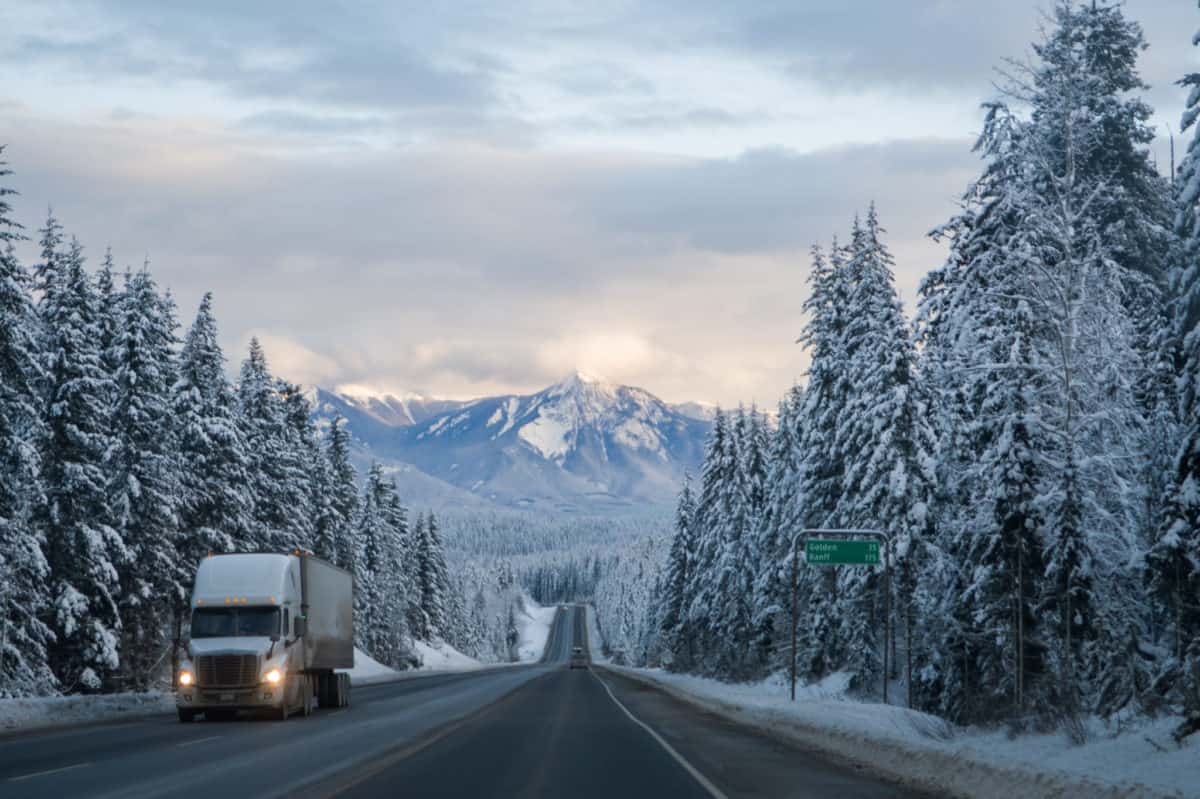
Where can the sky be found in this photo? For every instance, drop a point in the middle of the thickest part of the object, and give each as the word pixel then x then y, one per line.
pixel 469 198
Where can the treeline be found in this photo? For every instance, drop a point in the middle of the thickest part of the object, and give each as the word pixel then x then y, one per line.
pixel 127 455
pixel 1031 444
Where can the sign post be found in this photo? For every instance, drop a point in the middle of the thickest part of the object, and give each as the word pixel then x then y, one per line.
pixel 843 548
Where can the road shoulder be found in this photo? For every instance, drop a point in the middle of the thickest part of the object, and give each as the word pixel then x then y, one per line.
pixel 742 760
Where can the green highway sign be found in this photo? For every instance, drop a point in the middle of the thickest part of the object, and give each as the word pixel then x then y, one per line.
pixel 845 553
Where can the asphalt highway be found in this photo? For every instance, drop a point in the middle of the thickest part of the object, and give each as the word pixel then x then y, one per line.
pixel 538 730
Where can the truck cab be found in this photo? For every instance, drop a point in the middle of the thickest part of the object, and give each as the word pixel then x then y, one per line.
pixel 267 632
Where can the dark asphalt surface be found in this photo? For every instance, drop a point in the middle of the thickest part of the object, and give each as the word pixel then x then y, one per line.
pixel 538 730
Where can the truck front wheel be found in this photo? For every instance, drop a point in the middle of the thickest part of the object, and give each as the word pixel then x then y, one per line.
pixel 186 716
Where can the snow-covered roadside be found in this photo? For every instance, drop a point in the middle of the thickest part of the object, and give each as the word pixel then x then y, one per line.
pixel 595 640
pixel 440 656
pixel 533 624
pixel 57 711
pixel 925 752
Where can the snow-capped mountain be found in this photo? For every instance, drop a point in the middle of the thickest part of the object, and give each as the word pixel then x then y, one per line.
pixel 365 411
pixel 581 442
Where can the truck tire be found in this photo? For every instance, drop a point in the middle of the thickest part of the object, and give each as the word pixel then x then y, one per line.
pixel 325 690
pixel 306 686
pixel 186 716
pixel 345 689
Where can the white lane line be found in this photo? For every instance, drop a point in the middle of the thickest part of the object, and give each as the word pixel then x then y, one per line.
pixel 44 773
pixel 198 741
pixel 713 790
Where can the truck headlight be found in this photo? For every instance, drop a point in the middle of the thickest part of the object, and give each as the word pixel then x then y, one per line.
pixel 186 678
pixel 274 676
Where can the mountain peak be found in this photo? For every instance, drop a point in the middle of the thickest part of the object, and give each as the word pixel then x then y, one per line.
pixel 577 381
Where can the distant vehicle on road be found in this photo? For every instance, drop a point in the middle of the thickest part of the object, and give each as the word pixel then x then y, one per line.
pixel 578 659
pixel 267 632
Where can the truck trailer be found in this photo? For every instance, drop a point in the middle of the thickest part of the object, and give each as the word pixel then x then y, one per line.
pixel 267 633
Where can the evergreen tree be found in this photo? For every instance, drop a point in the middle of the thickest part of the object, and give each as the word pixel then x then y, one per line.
pixel 24 572
pixel 143 475
pixel 676 600
pixel 1173 561
pixel 215 504
pixel 886 442
pixel 369 563
pixel 83 549
pixel 441 608
pixel 50 268
pixel 273 438
pixel 779 523
pixel 343 494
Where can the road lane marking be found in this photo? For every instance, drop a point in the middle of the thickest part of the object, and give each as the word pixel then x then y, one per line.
pixel 333 785
pixel 198 741
pixel 713 790
pixel 44 773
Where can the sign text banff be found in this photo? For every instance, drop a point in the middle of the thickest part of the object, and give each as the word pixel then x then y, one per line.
pixel 852 553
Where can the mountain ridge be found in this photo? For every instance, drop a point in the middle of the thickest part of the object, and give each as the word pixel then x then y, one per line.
pixel 582 443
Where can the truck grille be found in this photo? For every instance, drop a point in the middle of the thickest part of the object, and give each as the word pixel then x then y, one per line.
pixel 226 671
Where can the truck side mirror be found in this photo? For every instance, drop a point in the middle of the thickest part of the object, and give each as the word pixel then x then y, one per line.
pixel 300 625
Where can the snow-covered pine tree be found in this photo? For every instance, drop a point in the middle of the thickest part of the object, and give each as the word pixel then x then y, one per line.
pixel 50 267
pixel 215 501
pixel 1097 239
pixel 83 549
pixel 730 610
pixel 422 619
pixel 1173 561
pixel 277 477
pixel 343 490
pixel 142 467
pixel 822 466
pixel 370 578
pixel 885 440
pixel 780 521
pixel 24 572
pixel 680 561
pixel 109 313
pixel 441 610
pixel 302 450
pixel 399 581
pixel 712 517
pixel 968 327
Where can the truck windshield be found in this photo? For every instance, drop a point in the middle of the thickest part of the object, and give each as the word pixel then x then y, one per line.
pixel 222 622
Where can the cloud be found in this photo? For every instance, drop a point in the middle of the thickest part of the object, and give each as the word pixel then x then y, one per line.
pixel 463 269
pixel 292 360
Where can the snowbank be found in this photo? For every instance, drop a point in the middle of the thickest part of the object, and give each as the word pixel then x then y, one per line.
pixel 367 670
pixel 533 623
pixel 595 639
pixel 928 753
pixel 440 656
pixel 38 712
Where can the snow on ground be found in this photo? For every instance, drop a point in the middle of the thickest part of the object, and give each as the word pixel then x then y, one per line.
pixel 368 670
pixel 52 711
pixel 927 752
pixel 440 656
pixel 595 639
pixel 533 622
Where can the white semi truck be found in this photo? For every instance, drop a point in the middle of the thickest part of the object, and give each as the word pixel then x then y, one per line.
pixel 267 633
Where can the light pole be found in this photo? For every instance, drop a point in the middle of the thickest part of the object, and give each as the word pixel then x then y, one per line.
pixel 885 541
